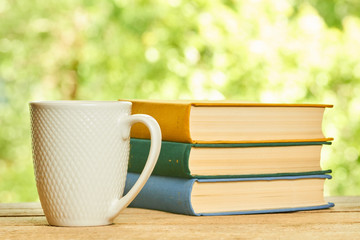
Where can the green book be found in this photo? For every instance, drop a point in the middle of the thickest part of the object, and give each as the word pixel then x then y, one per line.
pixel 186 160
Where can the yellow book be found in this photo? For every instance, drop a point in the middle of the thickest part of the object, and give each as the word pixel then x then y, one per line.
pixel 232 121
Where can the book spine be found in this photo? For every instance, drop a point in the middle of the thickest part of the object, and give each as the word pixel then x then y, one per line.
pixel 173 120
pixel 162 193
pixel 173 159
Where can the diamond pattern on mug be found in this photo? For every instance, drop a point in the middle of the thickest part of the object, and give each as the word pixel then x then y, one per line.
pixel 75 153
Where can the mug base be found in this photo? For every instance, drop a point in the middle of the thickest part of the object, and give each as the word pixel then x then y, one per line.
pixel 77 223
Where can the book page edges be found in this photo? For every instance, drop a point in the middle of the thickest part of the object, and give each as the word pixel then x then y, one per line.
pixel 266 141
pixel 307 192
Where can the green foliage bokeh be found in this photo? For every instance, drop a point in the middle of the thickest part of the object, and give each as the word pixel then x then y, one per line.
pixel 257 50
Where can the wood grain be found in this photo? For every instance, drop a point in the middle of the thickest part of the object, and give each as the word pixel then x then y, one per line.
pixel 26 221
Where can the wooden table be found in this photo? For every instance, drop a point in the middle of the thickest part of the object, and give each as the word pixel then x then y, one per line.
pixel 26 221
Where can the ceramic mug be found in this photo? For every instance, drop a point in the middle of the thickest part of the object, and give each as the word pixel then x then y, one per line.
pixel 81 152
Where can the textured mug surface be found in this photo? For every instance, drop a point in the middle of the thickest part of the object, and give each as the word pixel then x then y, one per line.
pixel 81 151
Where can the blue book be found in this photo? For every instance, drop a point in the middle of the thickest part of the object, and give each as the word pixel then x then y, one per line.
pixel 230 196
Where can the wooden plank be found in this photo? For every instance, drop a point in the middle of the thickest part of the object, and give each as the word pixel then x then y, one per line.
pixel 349 203
pixel 146 224
pixel 21 209
pixel 341 222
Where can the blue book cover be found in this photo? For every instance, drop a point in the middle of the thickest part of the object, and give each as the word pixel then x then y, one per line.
pixel 205 197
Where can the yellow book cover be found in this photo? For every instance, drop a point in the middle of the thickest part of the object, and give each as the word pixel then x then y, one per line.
pixel 231 121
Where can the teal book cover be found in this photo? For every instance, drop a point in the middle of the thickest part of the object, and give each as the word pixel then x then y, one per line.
pixel 276 194
pixel 230 160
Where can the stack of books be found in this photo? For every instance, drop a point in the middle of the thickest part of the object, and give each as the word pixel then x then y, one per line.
pixel 222 158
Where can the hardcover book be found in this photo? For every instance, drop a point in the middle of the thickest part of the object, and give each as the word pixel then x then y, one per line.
pixel 232 121
pixel 230 196
pixel 188 160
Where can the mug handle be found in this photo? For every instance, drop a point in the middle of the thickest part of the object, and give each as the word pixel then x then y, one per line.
pixel 155 134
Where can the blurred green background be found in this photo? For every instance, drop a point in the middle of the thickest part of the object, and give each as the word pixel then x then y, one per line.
pixel 253 50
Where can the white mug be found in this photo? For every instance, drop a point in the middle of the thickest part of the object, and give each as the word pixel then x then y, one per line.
pixel 81 151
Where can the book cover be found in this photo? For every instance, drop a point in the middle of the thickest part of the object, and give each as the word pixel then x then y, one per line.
pixel 175 195
pixel 231 121
pixel 174 159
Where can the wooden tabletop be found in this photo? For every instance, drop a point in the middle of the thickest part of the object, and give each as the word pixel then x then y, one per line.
pixel 26 221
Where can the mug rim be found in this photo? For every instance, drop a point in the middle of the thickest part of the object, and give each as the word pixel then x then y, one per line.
pixel 77 103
